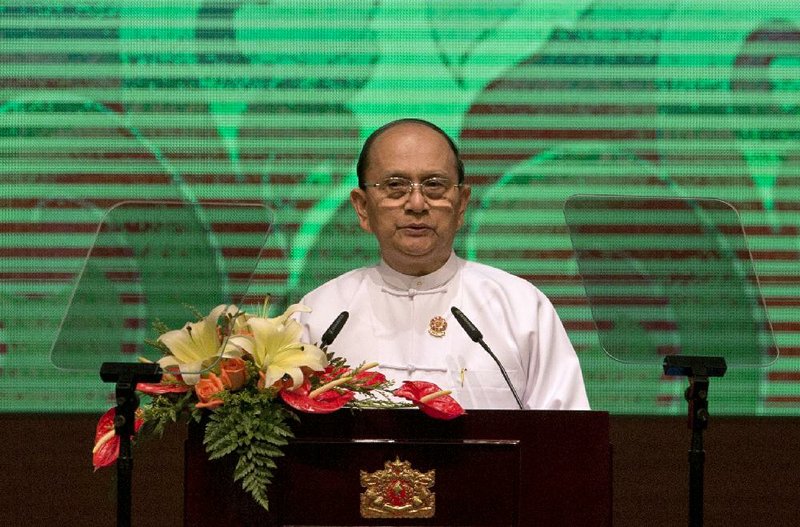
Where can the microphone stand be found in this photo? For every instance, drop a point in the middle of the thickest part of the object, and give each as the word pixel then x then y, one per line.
pixel 698 369
pixel 126 376
pixel 476 336
pixel 503 371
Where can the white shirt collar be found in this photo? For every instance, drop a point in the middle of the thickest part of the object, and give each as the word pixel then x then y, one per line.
pixel 428 282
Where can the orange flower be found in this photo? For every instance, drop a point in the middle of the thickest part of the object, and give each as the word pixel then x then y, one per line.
pixel 234 373
pixel 206 389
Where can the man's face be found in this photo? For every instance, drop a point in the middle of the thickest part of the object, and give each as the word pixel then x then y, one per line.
pixel 415 233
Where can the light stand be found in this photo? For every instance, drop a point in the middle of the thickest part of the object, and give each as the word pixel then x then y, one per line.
pixel 698 370
pixel 126 376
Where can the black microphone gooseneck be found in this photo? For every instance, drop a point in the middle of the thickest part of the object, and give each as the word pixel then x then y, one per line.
pixel 477 336
pixel 333 330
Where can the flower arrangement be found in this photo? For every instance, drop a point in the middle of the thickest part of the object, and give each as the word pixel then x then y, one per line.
pixel 250 373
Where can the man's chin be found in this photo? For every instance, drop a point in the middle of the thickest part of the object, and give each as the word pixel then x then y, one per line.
pixel 417 250
pixel 416 260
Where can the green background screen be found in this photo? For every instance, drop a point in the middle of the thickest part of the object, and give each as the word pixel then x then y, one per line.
pixel 268 102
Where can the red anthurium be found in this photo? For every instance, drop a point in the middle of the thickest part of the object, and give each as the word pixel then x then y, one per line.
pixel 363 377
pixel 161 388
pixel 171 382
pixel 331 373
pixel 433 401
pixel 369 379
pixel 304 400
pixel 106 442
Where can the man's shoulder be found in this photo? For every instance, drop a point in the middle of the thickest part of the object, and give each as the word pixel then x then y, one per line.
pixel 342 283
pixel 480 271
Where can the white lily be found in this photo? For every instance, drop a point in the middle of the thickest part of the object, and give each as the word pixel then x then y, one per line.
pixel 276 348
pixel 196 343
pixel 242 339
pixel 240 324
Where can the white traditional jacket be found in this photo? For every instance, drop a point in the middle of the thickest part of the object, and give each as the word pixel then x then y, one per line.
pixel 393 321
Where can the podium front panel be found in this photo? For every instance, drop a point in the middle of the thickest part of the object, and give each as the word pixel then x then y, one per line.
pixel 491 468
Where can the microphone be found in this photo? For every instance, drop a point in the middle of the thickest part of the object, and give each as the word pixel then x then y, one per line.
pixel 333 330
pixel 477 336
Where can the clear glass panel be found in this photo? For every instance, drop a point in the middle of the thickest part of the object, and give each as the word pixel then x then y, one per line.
pixel 669 276
pixel 157 261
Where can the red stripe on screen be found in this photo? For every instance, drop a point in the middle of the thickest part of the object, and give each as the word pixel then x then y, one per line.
pixel 536 133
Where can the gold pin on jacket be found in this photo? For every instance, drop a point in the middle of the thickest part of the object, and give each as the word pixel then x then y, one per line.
pixel 437 326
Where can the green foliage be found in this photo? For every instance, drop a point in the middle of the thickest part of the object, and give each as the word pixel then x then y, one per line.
pixel 253 426
pixel 162 410
pixel 160 328
pixel 377 403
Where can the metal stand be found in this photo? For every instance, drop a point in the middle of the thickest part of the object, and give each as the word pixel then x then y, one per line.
pixel 698 369
pixel 126 376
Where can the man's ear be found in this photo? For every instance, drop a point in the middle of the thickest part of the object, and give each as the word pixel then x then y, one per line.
pixel 358 198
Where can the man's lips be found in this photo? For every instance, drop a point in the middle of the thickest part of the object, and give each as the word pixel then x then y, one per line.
pixel 415 228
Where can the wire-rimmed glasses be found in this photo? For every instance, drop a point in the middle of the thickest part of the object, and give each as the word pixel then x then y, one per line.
pixel 399 187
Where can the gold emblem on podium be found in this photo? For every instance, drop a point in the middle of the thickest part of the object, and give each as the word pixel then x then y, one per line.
pixel 437 326
pixel 398 491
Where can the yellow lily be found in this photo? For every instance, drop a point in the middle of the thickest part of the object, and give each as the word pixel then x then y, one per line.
pixel 240 324
pixel 241 338
pixel 196 343
pixel 275 346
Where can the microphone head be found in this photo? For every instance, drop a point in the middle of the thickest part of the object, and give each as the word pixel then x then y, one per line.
pixel 467 324
pixel 333 330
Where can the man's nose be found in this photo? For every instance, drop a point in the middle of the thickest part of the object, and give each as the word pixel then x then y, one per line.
pixel 416 200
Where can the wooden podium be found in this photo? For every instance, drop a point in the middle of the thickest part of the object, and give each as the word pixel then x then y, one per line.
pixel 487 468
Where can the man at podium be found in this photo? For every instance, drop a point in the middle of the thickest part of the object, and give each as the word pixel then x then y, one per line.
pixel 412 197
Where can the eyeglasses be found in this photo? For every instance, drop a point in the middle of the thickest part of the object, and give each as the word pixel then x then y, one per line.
pixel 399 187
